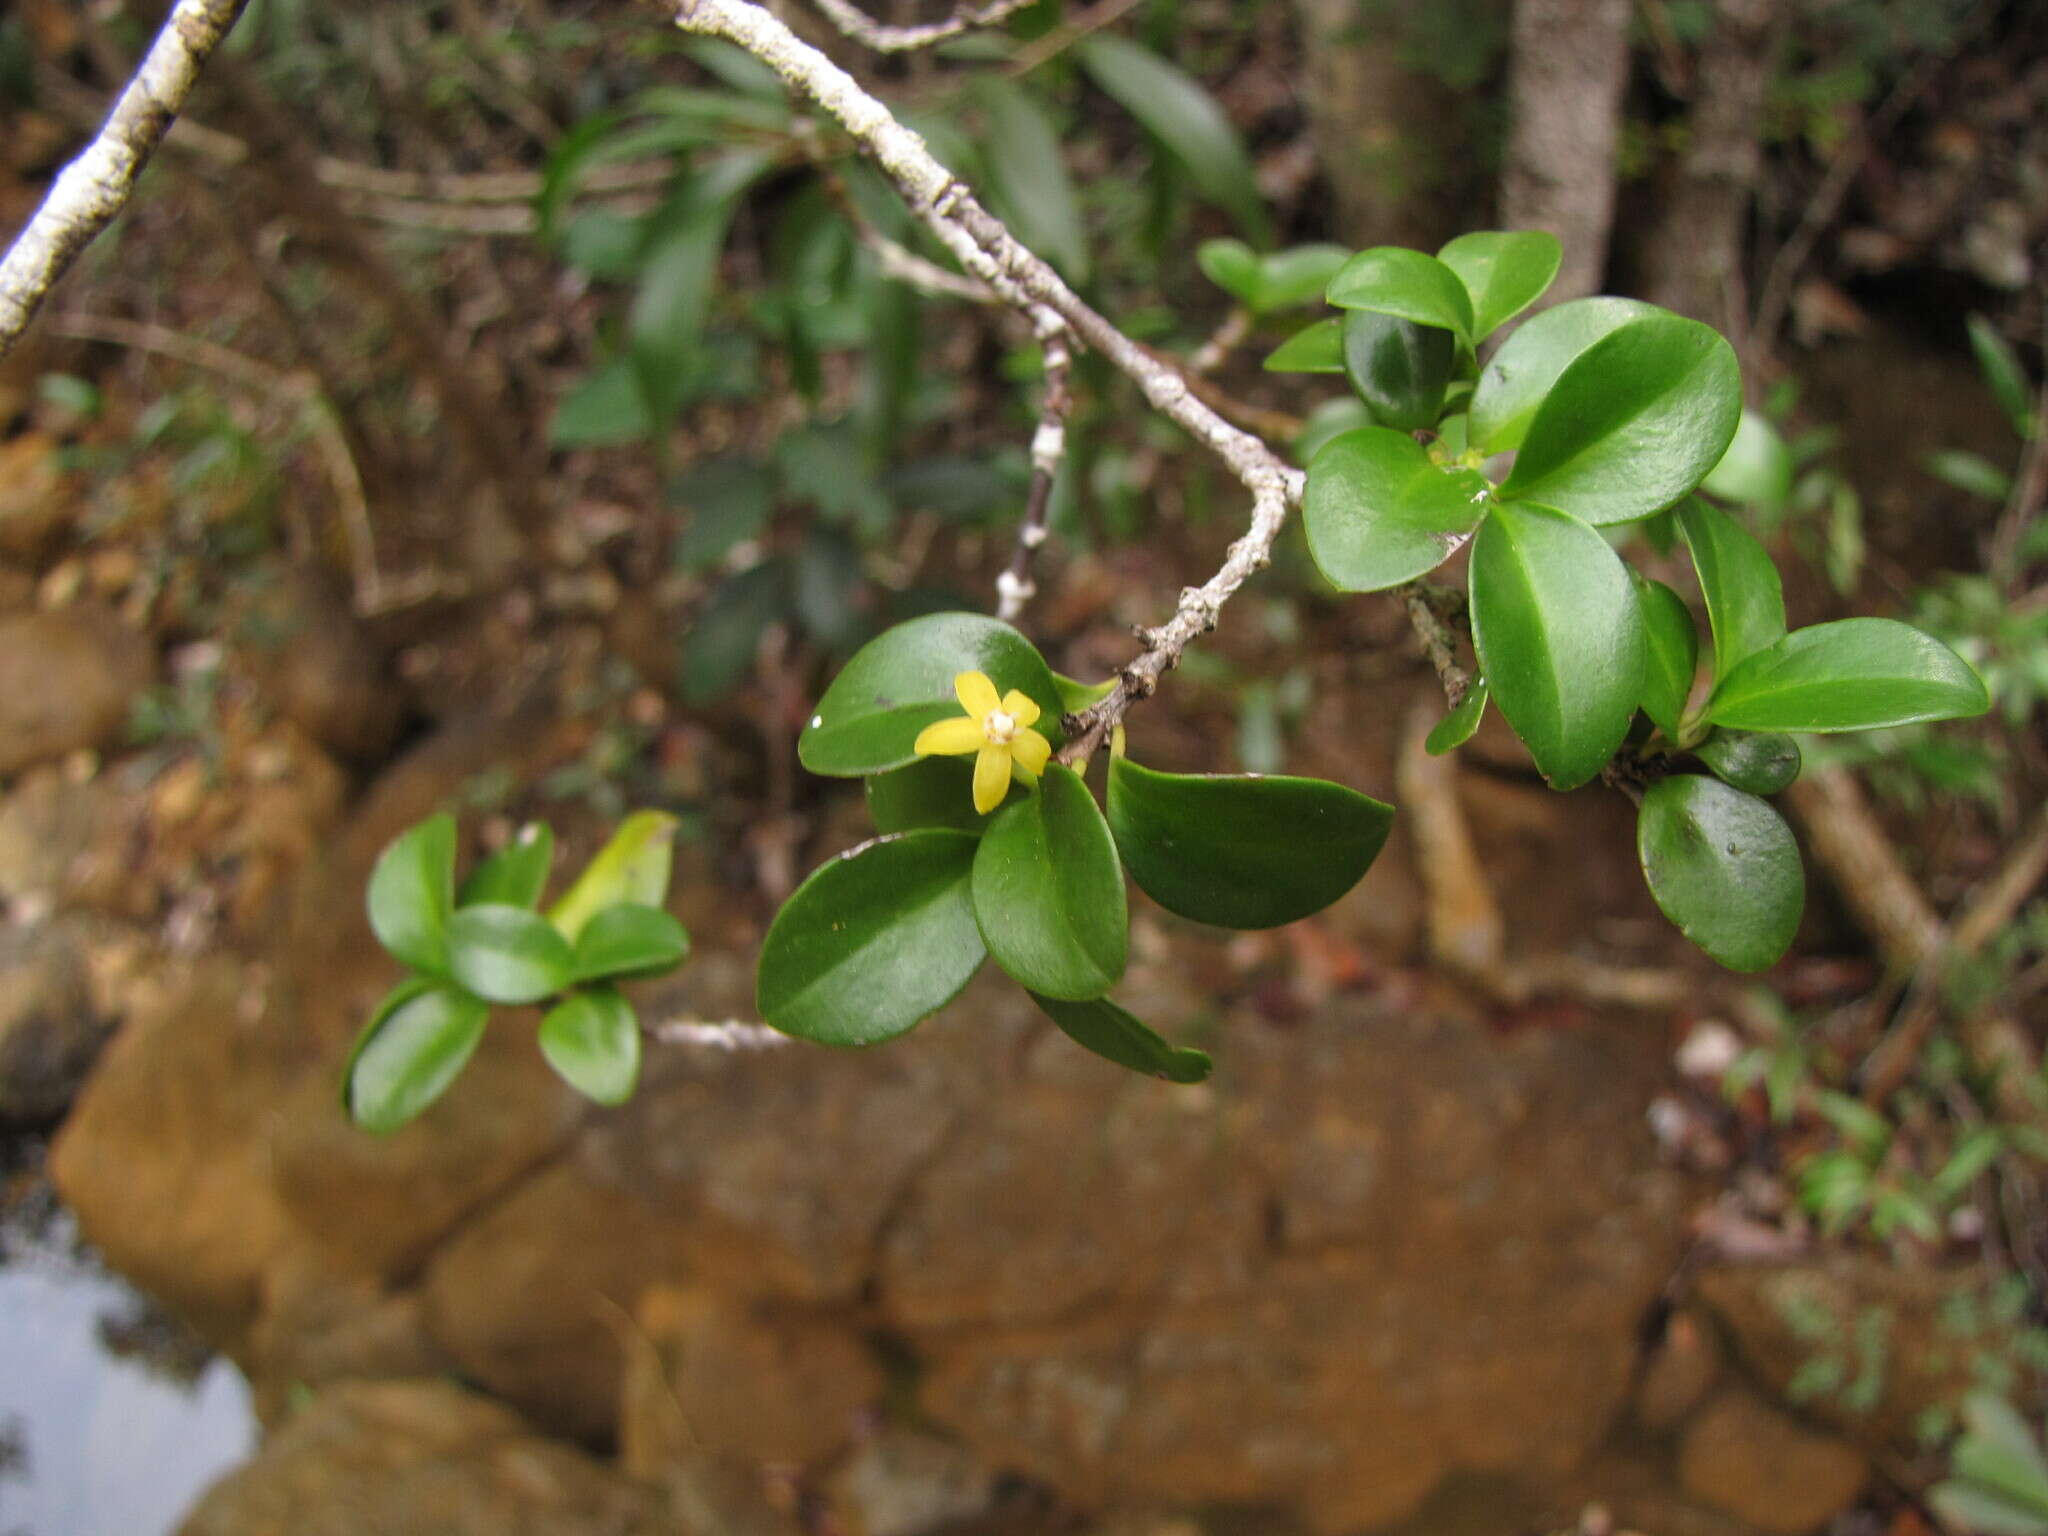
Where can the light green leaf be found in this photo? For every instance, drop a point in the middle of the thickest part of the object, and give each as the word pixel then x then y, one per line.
pixel 1232 266
pixel 630 939
pixel 1756 762
pixel 1317 348
pixel 1559 637
pixel 1393 280
pixel 412 891
pixel 1115 1035
pixel 1459 726
pixel 1633 423
pixel 1965 1507
pixel 1048 893
pixel 874 942
pixel 592 1040
pixel 1513 384
pixel 1505 271
pixel 2001 368
pixel 517 873
pixel 1970 473
pixel 414 1046
pixel 1028 175
pixel 633 865
pixel 1671 652
pixel 602 410
pixel 1076 696
pixel 1297 276
pixel 1756 471
pixel 1400 369
pixel 1852 675
pixel 1724 868
pixel 1745 599
pixel 1378 512
pixel 507 954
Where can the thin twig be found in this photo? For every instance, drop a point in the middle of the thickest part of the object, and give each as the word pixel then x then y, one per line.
pixel 728 1035
pixel 1214 352
pixel 95 186
pixel 1438 629
pixel 869 33
pixel 1014 587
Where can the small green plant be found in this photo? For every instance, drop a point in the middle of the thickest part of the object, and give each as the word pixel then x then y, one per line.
pixel 1998 1479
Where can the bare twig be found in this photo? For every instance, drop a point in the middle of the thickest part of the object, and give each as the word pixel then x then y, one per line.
pixel 1213 353
pixel 94 187
pixel 1438 628
pixel 869 33
pixel 1014 587
pixel 727 1035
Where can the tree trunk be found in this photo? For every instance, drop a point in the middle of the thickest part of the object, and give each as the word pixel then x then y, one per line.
pixel 1569 71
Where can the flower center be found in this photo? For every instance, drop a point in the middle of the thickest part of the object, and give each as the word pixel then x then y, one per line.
pixel 999 726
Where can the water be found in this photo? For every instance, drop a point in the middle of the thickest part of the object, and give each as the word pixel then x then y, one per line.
pixel 111 1424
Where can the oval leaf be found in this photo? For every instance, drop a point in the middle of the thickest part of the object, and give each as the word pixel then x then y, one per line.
pixel 1317 348
pixel 1514 382
pixel 1633 423
pixel 1114 1034
pixel 415 1045
pixel 1852 675
pixel 1755 762
pixel 1399 368
pixel 517 873
pixel 412 891
pixel 633 865
pixel 1560 640
pixel 1724 868
pixel 1242 851
pixel 1671 652
pixel 1378 512
pixel 1745 598
pixel 932 792
pixel 1393 280
pixel 630 940
pixel 874 942
pixel 592 1040
pixel 1028 175
pixel 1297 275
pixel 1756 471
pixel 1232 266
pixel 508 954
pixel 1505 271
pixel 2001 368
pixel 1048 893
pixel 902 681
pixel 1457 728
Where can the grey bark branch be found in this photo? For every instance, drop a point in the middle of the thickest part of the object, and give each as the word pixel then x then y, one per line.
pixel 855 23
pixel 97 185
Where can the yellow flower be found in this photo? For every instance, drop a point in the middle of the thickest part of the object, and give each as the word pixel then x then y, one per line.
pixel 997 729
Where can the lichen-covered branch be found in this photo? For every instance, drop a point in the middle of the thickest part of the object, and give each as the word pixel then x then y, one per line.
pixel 1014 587
pixel 857 24
pixel 94 187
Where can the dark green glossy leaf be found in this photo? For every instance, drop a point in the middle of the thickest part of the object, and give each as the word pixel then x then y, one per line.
pixel 1633 422
pixel 412 891
pixel 1671 652
pixel 633 865
pixel 1115 1035
pixel 1317 348
pixel 1756 471
pixel 1514 382
pixel 1745 599
pixel 1184 117
pixel 507 954
pixel 630 939
pixel 418 1041
pixel 1393 280
pixel 1852 675
pixel 931 792
pixel 1297 276
pixel 1724 868
pixel 592 1040
pixel 874 942
pixel 1378 512
pixel 902 681
pixel 2001 368
pixel 1028 175
pixel 1756 762
pixel 1242 851
pixel 517 873
pixel 1399 368
pixel 1048 892
pixel 1457 728
pixel 1505 271
pixel 1559 637
pixel 1232 266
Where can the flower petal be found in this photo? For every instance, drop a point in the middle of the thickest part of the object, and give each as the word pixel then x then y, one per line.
pixel 949 738
pixel 1031 751
pixel 1020 704
pixel 991 777
pixel 977 695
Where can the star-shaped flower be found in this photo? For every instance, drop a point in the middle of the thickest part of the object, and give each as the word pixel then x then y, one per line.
pixel 998 730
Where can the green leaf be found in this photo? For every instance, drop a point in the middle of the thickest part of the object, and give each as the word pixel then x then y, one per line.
pixel 1393 280
pixel 416 1043
pixel 2001 368
pixel 2012 1470
pixel 630 939
pixel 633 865
pixel 1991 1419
pixel 1115 1035
pixel 517 873
pixel 1756 762
pixel 603 410
pixel 1984 1511
pixel 1317 348
pixel 507 954
pixel 1671 652
pixel 1185 118
pixel 724 639
pixel 592 1040
pixel 1297 276
pixel 1076 696
pixel 1724 868
pixel 1048 893
pixel 1559 637
pixel 1756 471
pixel 1378 512
pixel 1232 266
pixel 1852 675
pixel 729 499
pixel 1242 851
pixel 931 792
pixel 1970 473
pixel 1457 728
pixel 1633 422
pixel 1028 175
pixel 1505 271
pixel 1975 1151
pixel 1399 368
pixel 1513 384
pixel 902 681
pixel 1745 599
pixel 412 891
pixel 874 942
